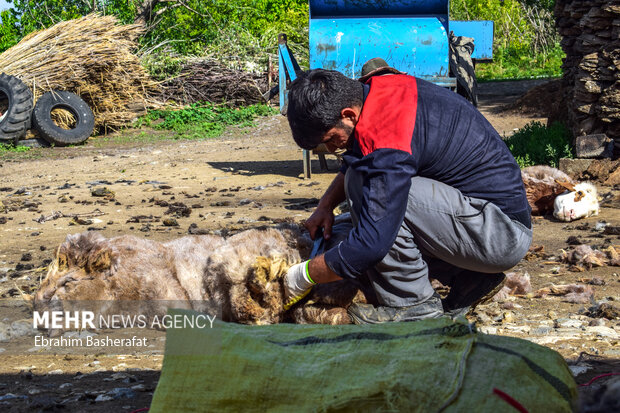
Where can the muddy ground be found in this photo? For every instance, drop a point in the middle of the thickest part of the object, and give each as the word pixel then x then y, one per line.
pixel 247 178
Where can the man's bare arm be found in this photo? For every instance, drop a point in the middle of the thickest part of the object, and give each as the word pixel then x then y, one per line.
pixel 320 272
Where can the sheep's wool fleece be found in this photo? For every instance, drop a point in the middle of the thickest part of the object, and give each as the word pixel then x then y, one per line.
pixel 240 275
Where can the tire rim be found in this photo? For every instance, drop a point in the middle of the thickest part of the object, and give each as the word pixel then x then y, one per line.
pixel 5 104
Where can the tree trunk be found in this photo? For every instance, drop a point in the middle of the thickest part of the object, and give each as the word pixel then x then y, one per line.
pixel 143 16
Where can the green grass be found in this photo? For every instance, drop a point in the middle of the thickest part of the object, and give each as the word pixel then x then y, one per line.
pixel 128 136
pixel 203 120
pixel 520 64
pixel 536 144
pixel 4 148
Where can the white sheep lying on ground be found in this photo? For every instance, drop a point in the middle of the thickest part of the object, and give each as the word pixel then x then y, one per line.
pixel 579 201
pixel 549 189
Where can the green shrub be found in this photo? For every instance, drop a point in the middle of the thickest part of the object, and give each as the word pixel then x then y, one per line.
pixel 235 27
pixel 536 144
pixel 9 30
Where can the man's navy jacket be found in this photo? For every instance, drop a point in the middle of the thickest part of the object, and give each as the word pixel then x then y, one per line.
pixel 409 127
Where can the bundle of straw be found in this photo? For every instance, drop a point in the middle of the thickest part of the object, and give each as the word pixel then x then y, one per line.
pixel 92 57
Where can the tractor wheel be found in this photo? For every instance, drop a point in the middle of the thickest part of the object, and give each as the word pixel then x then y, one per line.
pixel 464 88
pixel 462 67
pixel 15 108
pixel 62 118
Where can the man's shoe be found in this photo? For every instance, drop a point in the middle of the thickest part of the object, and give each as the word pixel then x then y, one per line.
pixel 470 289
pixel 370 314
pixel 458 312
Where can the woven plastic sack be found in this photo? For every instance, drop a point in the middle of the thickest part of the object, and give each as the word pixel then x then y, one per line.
pixel 425 366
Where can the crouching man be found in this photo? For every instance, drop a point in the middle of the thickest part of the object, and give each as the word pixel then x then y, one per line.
pixel 433 190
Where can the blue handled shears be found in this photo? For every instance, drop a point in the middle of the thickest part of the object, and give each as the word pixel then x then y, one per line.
pixel 318 244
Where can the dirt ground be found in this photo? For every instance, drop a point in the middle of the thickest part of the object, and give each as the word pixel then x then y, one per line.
pixel 246 178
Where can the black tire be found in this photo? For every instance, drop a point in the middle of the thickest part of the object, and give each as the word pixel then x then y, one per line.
pixel 47 128
pixel 34 143
pixel 16 108
pixel 462 66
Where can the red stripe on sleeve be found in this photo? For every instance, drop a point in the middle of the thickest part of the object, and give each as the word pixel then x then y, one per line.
pixel 389 113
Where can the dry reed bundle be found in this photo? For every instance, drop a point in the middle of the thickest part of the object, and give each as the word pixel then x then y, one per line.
pixel 63 118
pixel 207 80
pixel 92 57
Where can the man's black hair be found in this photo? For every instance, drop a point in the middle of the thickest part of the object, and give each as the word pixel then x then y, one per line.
pixel 315 101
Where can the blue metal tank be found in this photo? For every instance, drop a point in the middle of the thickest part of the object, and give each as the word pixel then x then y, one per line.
pixel 411 35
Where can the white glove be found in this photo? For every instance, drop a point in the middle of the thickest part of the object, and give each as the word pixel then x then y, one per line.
pixel 297 284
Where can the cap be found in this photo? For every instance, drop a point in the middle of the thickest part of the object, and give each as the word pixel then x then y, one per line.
pixel 377 66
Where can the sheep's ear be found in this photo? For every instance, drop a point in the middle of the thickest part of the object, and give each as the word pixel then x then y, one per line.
pixel 579 196
pixel 62 261
pixel 566 184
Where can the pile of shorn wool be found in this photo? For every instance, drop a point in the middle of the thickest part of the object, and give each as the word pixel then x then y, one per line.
pixel 91 56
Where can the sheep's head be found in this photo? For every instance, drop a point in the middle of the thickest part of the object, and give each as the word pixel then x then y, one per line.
pixel 579 201
pixel 77 273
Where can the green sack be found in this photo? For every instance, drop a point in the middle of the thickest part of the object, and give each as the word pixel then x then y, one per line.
pixel 431 365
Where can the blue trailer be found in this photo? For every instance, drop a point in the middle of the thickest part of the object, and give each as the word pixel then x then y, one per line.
pixel 412 36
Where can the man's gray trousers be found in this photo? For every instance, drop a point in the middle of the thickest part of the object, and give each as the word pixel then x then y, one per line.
pixel 444 232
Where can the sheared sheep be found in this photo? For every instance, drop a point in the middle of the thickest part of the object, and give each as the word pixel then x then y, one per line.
pixel 549 189
pixel 240 275
pixel 580 201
